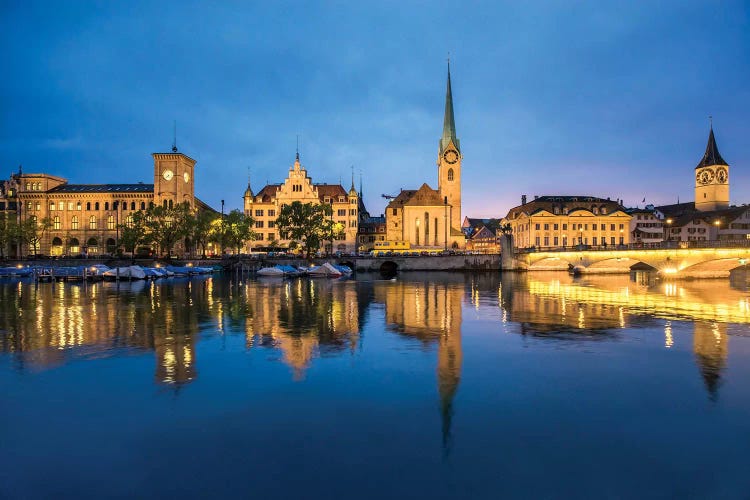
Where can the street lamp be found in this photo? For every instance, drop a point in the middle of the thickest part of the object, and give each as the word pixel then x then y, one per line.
pixel 717 223
pixel 417 232
pixel 668 223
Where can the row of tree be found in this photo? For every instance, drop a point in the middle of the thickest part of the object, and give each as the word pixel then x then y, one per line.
pixel 306 225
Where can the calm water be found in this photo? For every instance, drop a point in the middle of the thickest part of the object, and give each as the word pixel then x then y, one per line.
pixel 429 386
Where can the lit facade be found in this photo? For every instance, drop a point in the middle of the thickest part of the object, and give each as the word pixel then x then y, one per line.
pixel 85 217
pixel 431 218
pixel 564 221
pixel 265 207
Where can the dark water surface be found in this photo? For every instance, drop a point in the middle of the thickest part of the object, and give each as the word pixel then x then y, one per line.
pixel 429 386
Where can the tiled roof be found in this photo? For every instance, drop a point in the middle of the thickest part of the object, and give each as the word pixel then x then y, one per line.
pixel 103 188
pixel 404 196
pixel 425 196
pixel 329 190
pixel 572 203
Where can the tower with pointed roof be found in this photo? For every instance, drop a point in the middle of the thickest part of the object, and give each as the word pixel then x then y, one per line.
pixel 449 161
pixel 711 179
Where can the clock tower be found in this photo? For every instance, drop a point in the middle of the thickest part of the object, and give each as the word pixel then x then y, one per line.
pixel 449 161
pixel 173 179
pixel 711 179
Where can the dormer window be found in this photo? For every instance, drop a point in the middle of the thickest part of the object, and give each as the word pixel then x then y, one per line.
pixel 604 210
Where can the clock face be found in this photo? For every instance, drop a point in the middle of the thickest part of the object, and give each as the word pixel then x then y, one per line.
pixel 167 175
pixel 721 175
pixel 186 176
pixel 704 176
pixel 450 156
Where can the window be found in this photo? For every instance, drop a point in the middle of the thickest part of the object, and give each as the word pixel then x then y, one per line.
pixel 111 222
pixel 555 227
pixel 129 221
pixel 272 213
pixel 143 205
pixel 52 206
pixel 557 210
pixel 593 240
pixel 74 222
pixel 546 227
pixel 556 241
pixel 537 227
pixel 395 211
pixel 341 212
pixel 537 241
pixel 92 222
pixel 450 174
pixel 353 211
pixel 106 205
pixel 96 205
pixel 271 224
pixel 352 202
pixel 327 200
pixel 38 205
pixel 259 213
pixel 604 210
pixel 78 206
pixel 258 224
pixel 612 240
pixel 622 226
pixel 565 227
pixel 593 226
pixel 612 228
pixel 56 222
pixel 341 199
pixel 124 205
pixel 132 205
pixel 88 205
pixel 546 241
pixel 352 223
pixel 260 236
pixel 70 206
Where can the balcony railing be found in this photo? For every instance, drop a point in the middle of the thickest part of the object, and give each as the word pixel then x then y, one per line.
pixel 662 245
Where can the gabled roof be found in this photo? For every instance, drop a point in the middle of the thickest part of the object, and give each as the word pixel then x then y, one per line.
pixel 103 188
pixel 711 156
pixel 404 196
pixel 483 232
pixel 330 190
pixel 425 196
pixel 268 193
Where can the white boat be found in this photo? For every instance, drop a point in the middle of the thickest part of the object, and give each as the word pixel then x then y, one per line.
pixel 129 272
pixel 271 271
pixel 325 270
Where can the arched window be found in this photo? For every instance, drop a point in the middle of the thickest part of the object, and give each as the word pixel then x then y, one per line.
pixel 74 245
pixel 426 228
pixel 56 223
pixel 74 222
pixel 143 205
pixel 96 205
pixel 170 203
pixel 165 203
pixel 78 206
pixel 93 246
pixel 111 222
pixel 106 205
pixel 124 205
pixel 132 205
pixel 92 222
pixel 450 174
pixel 88 205
pixel 129 221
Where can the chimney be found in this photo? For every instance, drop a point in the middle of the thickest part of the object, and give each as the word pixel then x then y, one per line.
pixel 523 199
pixel 536 197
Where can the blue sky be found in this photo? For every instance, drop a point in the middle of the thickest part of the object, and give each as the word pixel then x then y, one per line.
pixel 603 99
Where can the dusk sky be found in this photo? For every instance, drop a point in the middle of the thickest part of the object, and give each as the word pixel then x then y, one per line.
pixel 550 97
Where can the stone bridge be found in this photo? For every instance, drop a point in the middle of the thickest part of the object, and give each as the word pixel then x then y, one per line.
pixel 674 262
pixel 388 264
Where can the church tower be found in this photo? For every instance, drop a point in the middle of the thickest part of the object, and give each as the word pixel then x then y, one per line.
pixel 711 179
pixel 449 161
pixel 173 179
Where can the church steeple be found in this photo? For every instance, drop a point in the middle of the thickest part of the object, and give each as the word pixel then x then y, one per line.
pixel 449 121
pixel 711 156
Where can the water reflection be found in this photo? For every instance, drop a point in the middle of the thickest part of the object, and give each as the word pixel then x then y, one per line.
pixel 43 326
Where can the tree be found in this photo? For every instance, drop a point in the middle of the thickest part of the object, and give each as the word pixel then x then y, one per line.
pixel 166 226
pixel 133 233
pixel 200 227
pixel 9 231
pixel 308 223
pixel 32 231
pixel 237 229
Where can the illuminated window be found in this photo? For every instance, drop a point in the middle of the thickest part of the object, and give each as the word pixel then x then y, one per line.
pixel 52 206
pixel 129 221
pixel 56 222
pixel 74 222
pixel 61 205
pixel 111 222
pixel 92 222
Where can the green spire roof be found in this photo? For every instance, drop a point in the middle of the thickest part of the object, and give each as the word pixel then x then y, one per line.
pixel 449 122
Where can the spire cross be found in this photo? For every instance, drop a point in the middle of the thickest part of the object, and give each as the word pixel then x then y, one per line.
pixel 711 120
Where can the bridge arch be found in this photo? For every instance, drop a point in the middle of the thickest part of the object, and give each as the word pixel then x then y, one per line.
pixel 388 268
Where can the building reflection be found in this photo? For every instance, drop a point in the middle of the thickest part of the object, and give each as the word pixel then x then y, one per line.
pixel 303 318
pixel 47 325
pixel 595 307
pixel 431 311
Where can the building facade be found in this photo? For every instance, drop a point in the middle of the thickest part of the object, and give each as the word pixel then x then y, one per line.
pixel 431 218
pixel 85 218
pixel 266 205
pixel 564 221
